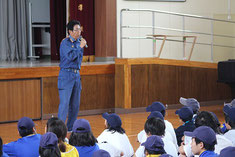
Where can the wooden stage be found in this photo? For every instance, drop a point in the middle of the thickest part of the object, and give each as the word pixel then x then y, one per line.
pixel 124 86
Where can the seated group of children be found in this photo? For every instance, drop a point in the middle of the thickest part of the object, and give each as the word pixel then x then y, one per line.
pixel 199 135
pixel 111 142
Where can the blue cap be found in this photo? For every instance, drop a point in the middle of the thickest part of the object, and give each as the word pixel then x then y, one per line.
pixel 190 102
pixel 154 143
pixel 48 140
pixel 165 155
pixel 25 122
pixel 185 112
pixel 83 124
pixel 156 106
pixel 156 114
pixel 203 133
pixel 113 119
pixel 227 152
pixel 230 112
pixel 101 153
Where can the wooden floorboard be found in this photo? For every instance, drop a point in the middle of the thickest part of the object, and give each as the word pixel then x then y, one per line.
pixel 133 123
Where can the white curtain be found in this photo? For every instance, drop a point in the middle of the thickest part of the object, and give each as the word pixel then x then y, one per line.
pixel 13 30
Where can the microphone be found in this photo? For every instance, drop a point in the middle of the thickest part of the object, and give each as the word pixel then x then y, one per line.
pixel 80 38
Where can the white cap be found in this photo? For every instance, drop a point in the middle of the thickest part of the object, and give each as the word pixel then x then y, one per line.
pixel 190 102
pixel 231 104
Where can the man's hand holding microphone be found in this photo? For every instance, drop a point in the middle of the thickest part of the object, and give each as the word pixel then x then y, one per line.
pixel 83 42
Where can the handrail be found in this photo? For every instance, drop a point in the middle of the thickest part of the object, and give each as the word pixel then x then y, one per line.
pixel 178 14
pixel 199 43
pixel 179 30
pixel 172 29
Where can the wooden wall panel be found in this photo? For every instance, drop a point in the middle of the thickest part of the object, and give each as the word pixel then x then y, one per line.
pixel 105 28
pixel 97 92
pixel 166 83
pixel 218 90
pixel 184 82
pixel 139 85
pixel 105 91
pixel 50 95
pixel 97 69
pixel 100 28
pixel 111 29
pixel 89 92
pixel 119 86
pixel 163 83
pixel 201 83
pixel 188 78
pixel 20 98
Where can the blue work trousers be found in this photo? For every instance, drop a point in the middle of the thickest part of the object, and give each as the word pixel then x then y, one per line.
pixel 69 85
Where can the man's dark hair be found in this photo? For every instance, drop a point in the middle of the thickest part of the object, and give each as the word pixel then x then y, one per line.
pixel 71 24
pixel 82 139
pixel 116 129
pixel 151 152
pixel 205 118
pixel 59 128
pixel 229 121
pixel 187 119
pixel 53 152
pixel 25 132
pixel 155 126
pixel 206 145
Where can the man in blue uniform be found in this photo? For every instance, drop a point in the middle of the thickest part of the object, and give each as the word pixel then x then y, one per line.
pixel 69 80
pixel 28 145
